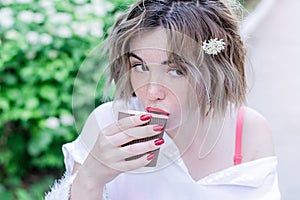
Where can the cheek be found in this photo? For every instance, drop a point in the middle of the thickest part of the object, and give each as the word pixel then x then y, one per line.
pixel 178 106
pixel 182 104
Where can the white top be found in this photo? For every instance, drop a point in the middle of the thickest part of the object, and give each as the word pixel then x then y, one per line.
pixel 253 180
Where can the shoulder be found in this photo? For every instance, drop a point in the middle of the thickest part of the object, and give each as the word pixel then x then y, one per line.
pixel 257 136
pixel 105 107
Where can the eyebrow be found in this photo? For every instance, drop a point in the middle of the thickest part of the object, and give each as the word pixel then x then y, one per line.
pixel 166 62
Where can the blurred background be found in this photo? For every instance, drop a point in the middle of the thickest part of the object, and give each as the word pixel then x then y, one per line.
pixel 274 53
pixel 43 44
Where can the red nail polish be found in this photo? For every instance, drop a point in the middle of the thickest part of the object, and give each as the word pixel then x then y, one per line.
pixel 150 156
pixel 159 141
pixel 145 117
pixel 158 128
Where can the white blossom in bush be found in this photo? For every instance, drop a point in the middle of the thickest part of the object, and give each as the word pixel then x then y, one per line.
pixel 26 16
pixel 52 123
pixel 45 38
pixel 24 1
pixel 30 55
pixel 80 1
pixel 32 37
pixel 64 32
pixel 67 120
pixel 60 18
pixel 100 8
pixel 48 6
pixel 82 11
pixel 12 34
pixel 80 28
pixel 96 29
pixel 7 2
pixel 52 54
pixel 6 18
pixel 38 18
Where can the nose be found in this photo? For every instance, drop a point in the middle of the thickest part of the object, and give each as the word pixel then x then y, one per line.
pixel 155 92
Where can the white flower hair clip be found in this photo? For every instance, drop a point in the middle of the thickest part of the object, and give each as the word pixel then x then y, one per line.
pixel 213 46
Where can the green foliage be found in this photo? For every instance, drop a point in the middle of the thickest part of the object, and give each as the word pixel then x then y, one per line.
pixel 42 47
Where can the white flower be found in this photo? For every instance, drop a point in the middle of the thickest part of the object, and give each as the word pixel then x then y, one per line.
pixel 7 22
pixel 30 55
pixel 101 7
pixel 12 34
pixel 80 1
pixel 48 6
pixel 109 6
pixel 64 32
pixel 26 16
pixel 32 37
pixel 7 2
pixel 38 18
pixel 60 18
pixel 45 38
pixel 96 29
pixel 82 11
pixel 53 54
pixel 52 122
pixel 99 11
pixel 213 46
pixel 80 29
pixel 6 17
pixel 67 120
pixel 6 12
pixel 24 1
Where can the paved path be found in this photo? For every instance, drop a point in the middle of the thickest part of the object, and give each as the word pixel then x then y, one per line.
pixel 274 51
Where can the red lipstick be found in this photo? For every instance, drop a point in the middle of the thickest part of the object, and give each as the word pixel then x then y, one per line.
pixel 157 111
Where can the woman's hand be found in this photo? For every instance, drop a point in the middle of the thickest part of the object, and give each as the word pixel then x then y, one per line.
pixel 107 158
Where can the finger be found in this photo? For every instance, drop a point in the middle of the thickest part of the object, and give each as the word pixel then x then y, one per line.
pixel 134 164
pixel 140 148
pixel 126 123
pixel 135 133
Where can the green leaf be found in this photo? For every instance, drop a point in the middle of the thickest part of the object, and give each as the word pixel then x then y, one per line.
pixel 31 103
pixel 48 92
pixel 4 104
pixel 23 194
pixel 6 195
pixel 39 142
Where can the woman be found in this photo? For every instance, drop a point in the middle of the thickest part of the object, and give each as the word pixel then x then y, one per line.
pixel 183 59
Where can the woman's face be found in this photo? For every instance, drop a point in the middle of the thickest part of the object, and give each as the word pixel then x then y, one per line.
pixel 156 81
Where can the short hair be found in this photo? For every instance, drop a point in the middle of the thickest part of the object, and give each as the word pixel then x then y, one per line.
pixel 219 79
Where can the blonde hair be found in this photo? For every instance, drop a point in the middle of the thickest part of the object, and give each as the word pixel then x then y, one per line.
pixel 220 79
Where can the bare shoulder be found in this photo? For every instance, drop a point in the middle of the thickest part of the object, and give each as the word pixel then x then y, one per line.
pixel 257 136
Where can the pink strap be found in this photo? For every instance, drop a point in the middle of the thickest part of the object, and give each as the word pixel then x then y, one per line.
pixel 238 140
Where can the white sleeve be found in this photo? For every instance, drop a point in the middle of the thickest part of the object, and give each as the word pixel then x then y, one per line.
pixel 74 152
pixel 61 188
pixel 78 150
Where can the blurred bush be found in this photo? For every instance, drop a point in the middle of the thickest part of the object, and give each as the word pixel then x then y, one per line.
pixel 42 46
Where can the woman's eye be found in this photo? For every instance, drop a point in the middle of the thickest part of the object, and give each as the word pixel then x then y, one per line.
pixel 140 67
pixel 176 72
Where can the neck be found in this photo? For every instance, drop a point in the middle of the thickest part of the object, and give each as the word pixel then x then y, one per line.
pixel 191 133
pixel 198 136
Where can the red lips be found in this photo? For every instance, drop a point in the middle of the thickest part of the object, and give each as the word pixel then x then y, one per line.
pixel 157 111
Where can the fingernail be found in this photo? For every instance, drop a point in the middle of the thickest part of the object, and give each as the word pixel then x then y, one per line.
pixel 159 141
pixel 145 117
pixel 150 156
pixel 158 128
